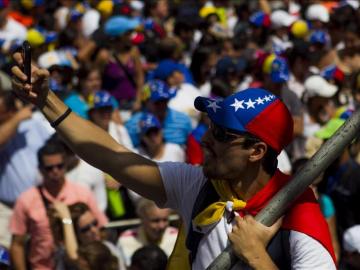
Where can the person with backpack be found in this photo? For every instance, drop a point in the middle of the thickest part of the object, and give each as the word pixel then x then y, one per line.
pixel 31 210
pixel 248 130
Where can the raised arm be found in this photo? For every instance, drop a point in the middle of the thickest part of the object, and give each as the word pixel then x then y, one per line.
pixel 9 127
pixel 90 142
pixel 70 241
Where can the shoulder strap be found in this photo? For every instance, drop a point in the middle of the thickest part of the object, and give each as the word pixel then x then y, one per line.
pixel 279 249
pixel 206 196
pixel 127 73
pixel 45 201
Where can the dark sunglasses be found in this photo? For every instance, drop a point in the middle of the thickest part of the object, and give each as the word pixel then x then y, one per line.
pixel 222 134
pixel 87 227
pixel 59 166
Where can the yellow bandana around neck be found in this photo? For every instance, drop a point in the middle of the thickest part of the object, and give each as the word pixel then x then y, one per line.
pixel 215 211
pixel 179 258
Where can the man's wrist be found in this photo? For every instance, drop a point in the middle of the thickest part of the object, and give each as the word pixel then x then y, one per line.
pixel 66 221
pixel 260 260
pixel 53 107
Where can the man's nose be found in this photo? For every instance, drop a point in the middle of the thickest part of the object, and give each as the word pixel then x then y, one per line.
pixel 163 224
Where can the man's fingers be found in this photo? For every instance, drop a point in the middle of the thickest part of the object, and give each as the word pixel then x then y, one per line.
pixel 276 226
pixel 18 85
pixel 39 74
pixel 18 58
pixel 23 91
pixel 18 73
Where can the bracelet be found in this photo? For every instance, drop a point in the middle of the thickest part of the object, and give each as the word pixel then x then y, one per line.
pixel 61 118
pixel 67 221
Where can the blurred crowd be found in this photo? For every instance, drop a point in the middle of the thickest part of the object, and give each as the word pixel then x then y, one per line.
pixel 134 68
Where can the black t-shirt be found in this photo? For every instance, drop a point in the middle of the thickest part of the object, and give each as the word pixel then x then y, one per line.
pixel 346 196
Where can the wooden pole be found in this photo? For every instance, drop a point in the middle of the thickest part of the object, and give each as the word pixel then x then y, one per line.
pixel 277 206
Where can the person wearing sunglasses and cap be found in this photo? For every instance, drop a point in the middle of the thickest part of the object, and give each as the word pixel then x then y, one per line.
pixel 30 216
pixel 248 130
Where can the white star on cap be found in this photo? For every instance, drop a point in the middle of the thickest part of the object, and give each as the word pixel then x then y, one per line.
pixel 259 101
pixel 238 104
pixel 213 105
pixel 250 104
pixel 267 99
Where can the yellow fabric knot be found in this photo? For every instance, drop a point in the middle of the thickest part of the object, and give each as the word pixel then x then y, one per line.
pixel 179 258
pixel 215 211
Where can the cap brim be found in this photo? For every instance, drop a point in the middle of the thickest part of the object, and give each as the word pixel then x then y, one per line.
pixel 200 104
pixel 327 91
pixel 110 106
pixel 277 77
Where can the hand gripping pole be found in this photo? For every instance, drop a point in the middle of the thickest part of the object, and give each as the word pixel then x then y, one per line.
pixel 277 206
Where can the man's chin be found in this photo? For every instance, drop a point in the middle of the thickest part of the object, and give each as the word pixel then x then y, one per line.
pixel 210 172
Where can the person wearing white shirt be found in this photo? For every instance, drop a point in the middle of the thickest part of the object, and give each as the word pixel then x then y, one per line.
pixel 152 142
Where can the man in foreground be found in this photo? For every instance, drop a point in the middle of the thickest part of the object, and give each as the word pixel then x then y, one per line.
pixel 248 130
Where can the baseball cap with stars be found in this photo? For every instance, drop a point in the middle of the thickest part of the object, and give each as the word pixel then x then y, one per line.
pixel 255 111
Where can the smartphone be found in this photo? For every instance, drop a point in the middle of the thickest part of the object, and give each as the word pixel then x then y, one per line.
pixel 26 53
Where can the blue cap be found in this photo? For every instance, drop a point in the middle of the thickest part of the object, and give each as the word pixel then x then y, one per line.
pixel 148 121
pixel 156 90
pixel 279 70
pixel 260 18
pixel 332 72
pixel 118 25
pixel 165 69
pixel 319 36
pixel 4 256
pixel 101 99
pixel 253 110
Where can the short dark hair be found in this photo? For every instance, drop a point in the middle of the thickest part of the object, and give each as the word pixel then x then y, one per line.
pixel 96 254
pixel 149 257
pixel 270 159
pixel 51 147
pixel 9 99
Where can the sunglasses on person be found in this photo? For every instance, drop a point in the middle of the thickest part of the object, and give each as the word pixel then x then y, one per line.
pixel 59 166
pixel 87 227
pixel 222 134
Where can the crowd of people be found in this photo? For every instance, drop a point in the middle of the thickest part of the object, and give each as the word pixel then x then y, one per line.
pixel 135 68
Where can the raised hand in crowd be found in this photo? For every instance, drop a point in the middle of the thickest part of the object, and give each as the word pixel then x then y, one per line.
pixel 11 116
pixel 70 241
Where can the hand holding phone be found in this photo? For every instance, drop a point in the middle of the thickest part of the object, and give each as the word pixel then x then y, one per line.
pixel 26 54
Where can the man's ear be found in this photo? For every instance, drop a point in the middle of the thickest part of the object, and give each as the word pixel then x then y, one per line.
pixel 258 151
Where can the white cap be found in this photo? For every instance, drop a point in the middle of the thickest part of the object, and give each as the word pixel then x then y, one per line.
pixel 352 3
pixel 90 21
pixel 351 239
pixel 317 86
pixel 61 15
pixel 137 5
pixel 317 12
pixel 281 18
pixel 53 58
